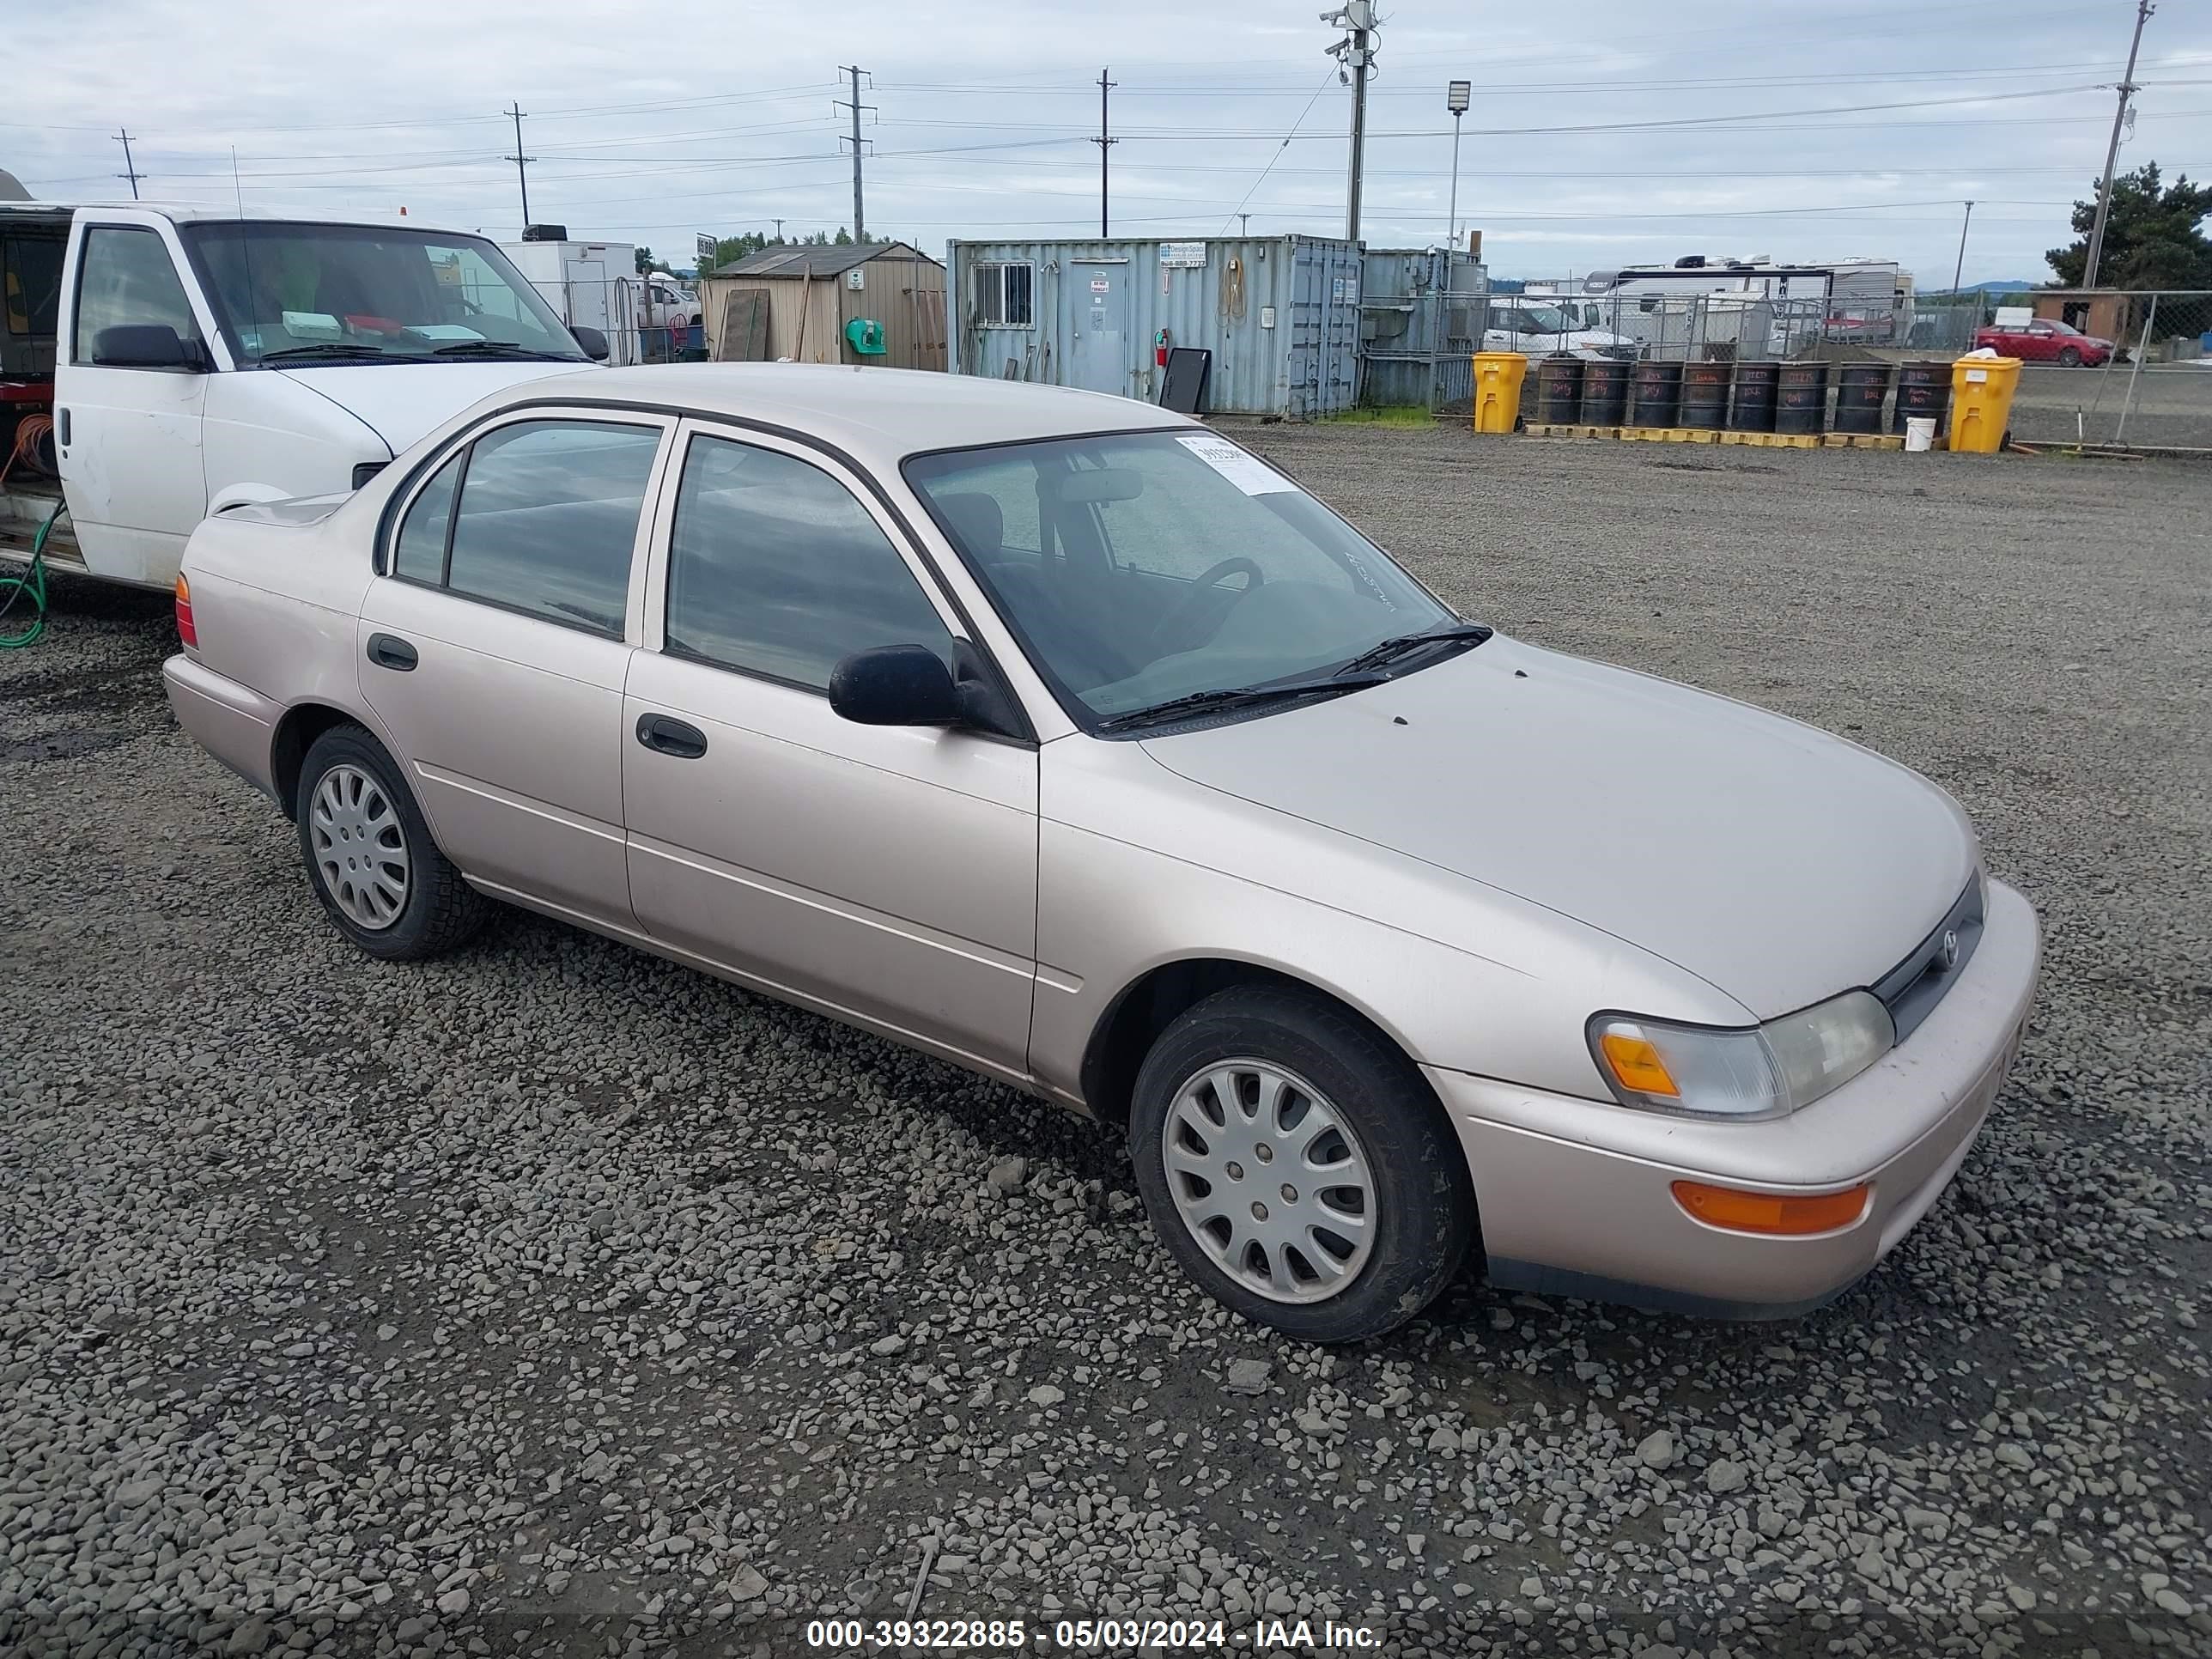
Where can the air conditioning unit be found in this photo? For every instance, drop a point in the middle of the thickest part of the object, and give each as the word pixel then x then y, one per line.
pixel 545 232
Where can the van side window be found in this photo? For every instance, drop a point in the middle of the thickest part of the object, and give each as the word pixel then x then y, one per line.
pixel 126 277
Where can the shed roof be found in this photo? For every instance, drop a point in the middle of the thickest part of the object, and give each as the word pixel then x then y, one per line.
pixel 815 259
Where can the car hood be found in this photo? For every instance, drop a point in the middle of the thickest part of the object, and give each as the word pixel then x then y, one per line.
pixel 1778 863
pixel 401 402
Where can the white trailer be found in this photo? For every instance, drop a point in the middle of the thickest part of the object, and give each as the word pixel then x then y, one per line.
pixel 595 284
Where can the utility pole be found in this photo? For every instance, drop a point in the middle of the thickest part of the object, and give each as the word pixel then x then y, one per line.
pixel 1105 142
pixel 2127 88
pixel 1355 57
pixel 1961 265
pixel 130 167
pixel 522 161
pixel 779 230
pixel 1243 224
pixel 1457 96
pixel 860 226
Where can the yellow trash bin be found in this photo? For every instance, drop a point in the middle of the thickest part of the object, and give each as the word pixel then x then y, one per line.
pixel 1981 402
pixel 1498 377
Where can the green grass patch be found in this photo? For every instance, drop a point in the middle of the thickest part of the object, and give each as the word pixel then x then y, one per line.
pixel 1387 415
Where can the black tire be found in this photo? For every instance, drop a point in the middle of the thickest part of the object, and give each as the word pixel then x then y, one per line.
pixel 440 912
pixel 2069 357
pixel 1424 1200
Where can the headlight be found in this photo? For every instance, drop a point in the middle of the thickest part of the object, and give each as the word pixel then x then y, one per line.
pixel 1755 1071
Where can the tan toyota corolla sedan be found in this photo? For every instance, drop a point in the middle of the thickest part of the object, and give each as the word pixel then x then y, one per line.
pixel 1058 736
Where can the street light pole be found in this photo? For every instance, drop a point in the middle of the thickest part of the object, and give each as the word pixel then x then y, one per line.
pixel 1456 99
pixel 1355 54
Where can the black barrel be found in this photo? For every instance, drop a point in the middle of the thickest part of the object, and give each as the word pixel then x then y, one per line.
pixel 1800 397
pixel 1658 394
pixel 1754 398
pixel 1861 391
pixel 1921 389
pixel 1559 389
pixel 1604 391
pixel 1705 395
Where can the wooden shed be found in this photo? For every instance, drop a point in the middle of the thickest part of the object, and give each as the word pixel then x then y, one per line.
pixel 800 304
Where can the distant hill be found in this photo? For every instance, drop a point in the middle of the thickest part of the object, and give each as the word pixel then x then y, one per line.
pixel 1985 287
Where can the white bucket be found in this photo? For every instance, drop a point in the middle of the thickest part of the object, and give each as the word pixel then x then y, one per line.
pixel 1919 433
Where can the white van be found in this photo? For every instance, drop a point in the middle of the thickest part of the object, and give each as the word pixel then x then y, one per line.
pixel 1542 326
pixel 193 360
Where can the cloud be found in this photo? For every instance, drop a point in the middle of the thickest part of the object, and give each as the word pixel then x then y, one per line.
pixel 648 126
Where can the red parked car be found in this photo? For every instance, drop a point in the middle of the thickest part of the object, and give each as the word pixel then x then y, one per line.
pixel 2042 341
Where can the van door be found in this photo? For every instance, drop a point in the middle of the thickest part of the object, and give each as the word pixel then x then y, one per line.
pixel 131 432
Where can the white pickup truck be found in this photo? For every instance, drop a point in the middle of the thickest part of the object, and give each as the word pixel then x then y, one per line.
pixel 192 359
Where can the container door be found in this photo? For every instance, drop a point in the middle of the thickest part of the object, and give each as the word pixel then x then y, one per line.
pixel 1099 358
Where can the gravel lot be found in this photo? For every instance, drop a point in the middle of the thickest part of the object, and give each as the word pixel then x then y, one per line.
pixel 554 1300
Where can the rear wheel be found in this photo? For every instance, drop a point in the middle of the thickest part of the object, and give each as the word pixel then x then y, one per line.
pixel 1297 1165
pixel 370 858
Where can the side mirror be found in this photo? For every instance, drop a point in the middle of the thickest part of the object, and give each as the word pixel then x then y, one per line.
pixel 143 345
pixel 594 344
pixel 895 685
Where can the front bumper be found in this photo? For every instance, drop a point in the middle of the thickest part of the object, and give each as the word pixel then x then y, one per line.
pixel 1575 1194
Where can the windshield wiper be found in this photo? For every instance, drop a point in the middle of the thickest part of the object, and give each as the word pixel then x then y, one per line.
pixel 1238 697
pixel 1391 650
pixel 324 348
pixel 500 348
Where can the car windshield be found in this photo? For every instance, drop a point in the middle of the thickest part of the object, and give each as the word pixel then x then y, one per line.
pixel 1543 319
pixel 300 293
pixel 1141 568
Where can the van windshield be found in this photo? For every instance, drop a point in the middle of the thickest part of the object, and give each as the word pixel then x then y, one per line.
pixel 287 294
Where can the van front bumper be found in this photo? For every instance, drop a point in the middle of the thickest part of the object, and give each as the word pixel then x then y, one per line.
pixel 1576 1195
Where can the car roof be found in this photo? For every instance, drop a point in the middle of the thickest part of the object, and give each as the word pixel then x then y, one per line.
pixel 878 416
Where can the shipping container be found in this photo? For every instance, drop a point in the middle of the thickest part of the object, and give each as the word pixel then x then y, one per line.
pixel 1280 315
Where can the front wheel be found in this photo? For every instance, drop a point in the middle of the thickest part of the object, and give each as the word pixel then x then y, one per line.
pixel 2069 357
pixel 1297 1165
pixel 369 855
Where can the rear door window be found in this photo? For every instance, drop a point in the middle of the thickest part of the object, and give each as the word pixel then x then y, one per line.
pixel 545 521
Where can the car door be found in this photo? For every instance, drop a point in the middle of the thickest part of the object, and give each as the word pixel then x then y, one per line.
pixel 130 456
pixel 495 640
pixel 884 873
pixel 2036 343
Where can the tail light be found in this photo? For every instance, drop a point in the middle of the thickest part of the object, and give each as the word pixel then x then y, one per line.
pixel 186 631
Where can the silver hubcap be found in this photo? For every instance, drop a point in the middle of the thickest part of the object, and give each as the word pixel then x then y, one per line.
pixel 1270 1180
pixel 359 847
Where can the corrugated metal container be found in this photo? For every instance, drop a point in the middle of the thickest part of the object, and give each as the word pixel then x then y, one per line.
pixel 1279 313
pixel 1421 322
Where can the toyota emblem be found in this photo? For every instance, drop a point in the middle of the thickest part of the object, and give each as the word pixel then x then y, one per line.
pixel 1947 953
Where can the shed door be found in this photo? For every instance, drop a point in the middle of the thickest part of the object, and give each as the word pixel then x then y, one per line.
pixel 744 327
pixel 1098 359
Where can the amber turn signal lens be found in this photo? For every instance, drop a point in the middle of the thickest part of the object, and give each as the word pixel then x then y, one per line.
pixel 1637 1066
pixel 1773 1214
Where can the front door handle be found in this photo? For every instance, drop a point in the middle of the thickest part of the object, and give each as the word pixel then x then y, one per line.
pixel 390 651
pixel 669 737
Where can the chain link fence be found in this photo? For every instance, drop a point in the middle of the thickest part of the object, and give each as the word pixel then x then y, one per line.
pixel 2109 368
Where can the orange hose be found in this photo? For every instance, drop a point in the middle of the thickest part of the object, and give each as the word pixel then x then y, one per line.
pixel 28 431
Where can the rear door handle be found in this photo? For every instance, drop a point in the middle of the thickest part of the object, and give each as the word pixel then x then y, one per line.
pixel 669 737
pixel 390 651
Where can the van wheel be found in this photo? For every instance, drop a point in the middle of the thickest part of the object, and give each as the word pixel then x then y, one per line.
pixel 370 858
pixel 1295 1166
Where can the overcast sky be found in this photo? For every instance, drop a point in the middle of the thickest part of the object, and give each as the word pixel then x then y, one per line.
pixel 1603 132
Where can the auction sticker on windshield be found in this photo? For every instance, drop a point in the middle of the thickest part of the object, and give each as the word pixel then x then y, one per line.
pixel 1252 476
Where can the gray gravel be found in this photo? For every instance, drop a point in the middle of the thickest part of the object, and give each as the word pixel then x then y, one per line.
pixel 554 1300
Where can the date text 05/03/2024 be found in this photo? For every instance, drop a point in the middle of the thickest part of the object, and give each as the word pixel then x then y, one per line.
pixel 1106 1635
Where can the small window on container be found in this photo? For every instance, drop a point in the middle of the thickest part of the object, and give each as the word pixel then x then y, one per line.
pixel 1002 295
